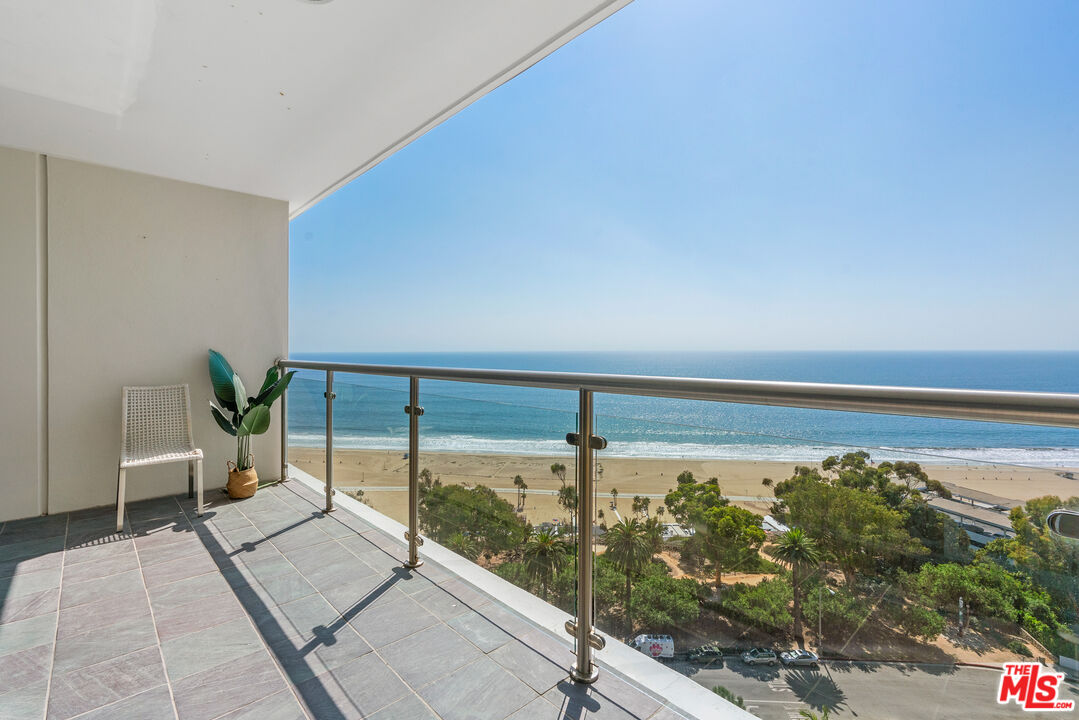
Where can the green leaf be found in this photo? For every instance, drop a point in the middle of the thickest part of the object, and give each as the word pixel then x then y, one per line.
pixel 239 392
pixel 221 375
pixel 220 418
pixel 271 378
pixel 256 421
pixel 268 397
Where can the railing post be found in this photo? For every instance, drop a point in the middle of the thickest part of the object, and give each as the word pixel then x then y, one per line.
pixel 330 395
pixel 284 426
pixel 413 535
pixel 584 670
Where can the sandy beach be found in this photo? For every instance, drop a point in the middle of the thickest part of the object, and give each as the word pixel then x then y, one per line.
pixel 383 476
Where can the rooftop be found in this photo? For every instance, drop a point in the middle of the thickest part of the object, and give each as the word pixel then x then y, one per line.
pixel 266 608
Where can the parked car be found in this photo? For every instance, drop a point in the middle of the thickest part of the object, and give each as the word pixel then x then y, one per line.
pixel 706 655
pixel 800 657
pixel 657 646
pixel 760 656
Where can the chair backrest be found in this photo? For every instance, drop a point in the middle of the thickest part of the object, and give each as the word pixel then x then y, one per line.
pixel 155 420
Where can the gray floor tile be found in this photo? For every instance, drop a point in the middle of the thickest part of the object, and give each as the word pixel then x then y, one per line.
pixel 331 525
pixel 328 564
pixel 507 620
pixel 96 538
pixel 32 564
pixel 275 590
pixel 410 707
pixel 482 690
pixel 126 636
pixel 28 667
pixel 329 648
pixel 30 548
pixel 479 631
pixel 666 713
pixel 18 636
pixel 279 706
pixel 89 553
pixel 185 591
pixel 28 606
pixel 174 622
pixel 112 586
pixel 429 655
pixel 103 613
pixel 389 622
pixel 357 689
pixel 29 583
pixel 83 690
pixel 364 592
pixel 26 702
pixel 300 536
pixel 180 569
pixel 37 528
pixel 199 651
pixel 180 547
pixel 539 709
pixel 609 698
pixel 530 666
pixel 155 704
pixel 440 603
pixel 269 567
pixel 120 562
pixel 301 617
pixel 205 695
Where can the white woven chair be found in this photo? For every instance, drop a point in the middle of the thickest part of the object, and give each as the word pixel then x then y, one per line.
pixel 156 429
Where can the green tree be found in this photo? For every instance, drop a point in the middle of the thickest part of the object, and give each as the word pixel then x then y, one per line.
pixel 691 498
pixel 518 482
pixel 614 497
pixel 663 603
pixel 765 605
pixel 491 522
pixel 799 552
pixel 729 536
pixel 852 525
pixel 463 545
pixel 559 471
pixel 729 696
pixel 640 505
pixel 630 549
pixel 544 555
pixel 983 585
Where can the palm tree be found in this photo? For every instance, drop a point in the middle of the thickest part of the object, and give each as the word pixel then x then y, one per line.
pixel 463 545
pixel 808 715
pixel 799 551
pixel 630 548
pixel 544 555
pixel 614 497
pixel 518 481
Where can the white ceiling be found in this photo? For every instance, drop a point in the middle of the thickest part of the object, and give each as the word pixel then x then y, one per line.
pixel 287 99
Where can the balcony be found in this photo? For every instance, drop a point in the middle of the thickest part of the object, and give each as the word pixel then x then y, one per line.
pixel 266 608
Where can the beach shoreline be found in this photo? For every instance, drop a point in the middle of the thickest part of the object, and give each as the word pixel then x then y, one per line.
pixel 383 476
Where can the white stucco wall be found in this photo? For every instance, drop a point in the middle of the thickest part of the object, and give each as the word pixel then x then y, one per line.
pixel 142 275
pixel 145 274
pixel 21 430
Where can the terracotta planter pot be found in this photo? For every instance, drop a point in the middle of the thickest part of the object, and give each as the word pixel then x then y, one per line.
pixel 242 483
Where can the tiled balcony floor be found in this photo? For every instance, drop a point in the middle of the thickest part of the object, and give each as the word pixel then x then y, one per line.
pixel 265 609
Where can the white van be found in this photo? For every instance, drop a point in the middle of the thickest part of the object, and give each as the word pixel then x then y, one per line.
pixel 657 646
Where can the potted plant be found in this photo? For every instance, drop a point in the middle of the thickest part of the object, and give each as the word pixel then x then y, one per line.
pixel 242 416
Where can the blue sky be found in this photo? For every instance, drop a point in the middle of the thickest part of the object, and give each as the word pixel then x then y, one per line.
pixel 729 176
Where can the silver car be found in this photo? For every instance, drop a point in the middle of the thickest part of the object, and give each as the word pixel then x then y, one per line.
pixel 803 658
pixel 760 656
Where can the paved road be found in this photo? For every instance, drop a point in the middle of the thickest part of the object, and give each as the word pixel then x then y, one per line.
pixel 869 691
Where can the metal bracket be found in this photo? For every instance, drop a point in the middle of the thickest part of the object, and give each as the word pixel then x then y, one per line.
pixel 419 538
pixel 408 410
pixel 596 443
pixel 594 639
pixel 329 395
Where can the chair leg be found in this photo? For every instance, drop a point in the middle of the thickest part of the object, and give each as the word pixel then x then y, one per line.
pixel 198 472
pixel 121 480
pixel 190 479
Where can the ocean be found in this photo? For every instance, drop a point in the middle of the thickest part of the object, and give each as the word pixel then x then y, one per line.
pixel 463 417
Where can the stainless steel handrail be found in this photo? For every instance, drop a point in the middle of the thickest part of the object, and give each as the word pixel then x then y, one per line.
pixel 1024 408
pixel 1028 408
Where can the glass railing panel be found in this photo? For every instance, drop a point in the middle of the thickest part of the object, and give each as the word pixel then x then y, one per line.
pixel 306 408
pixel 851 536
pixel 498 483
pixel 370 439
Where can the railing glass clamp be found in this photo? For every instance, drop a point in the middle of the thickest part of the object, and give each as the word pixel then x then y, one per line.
pixel 597 442
pixel 409 410
pixel 594 639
